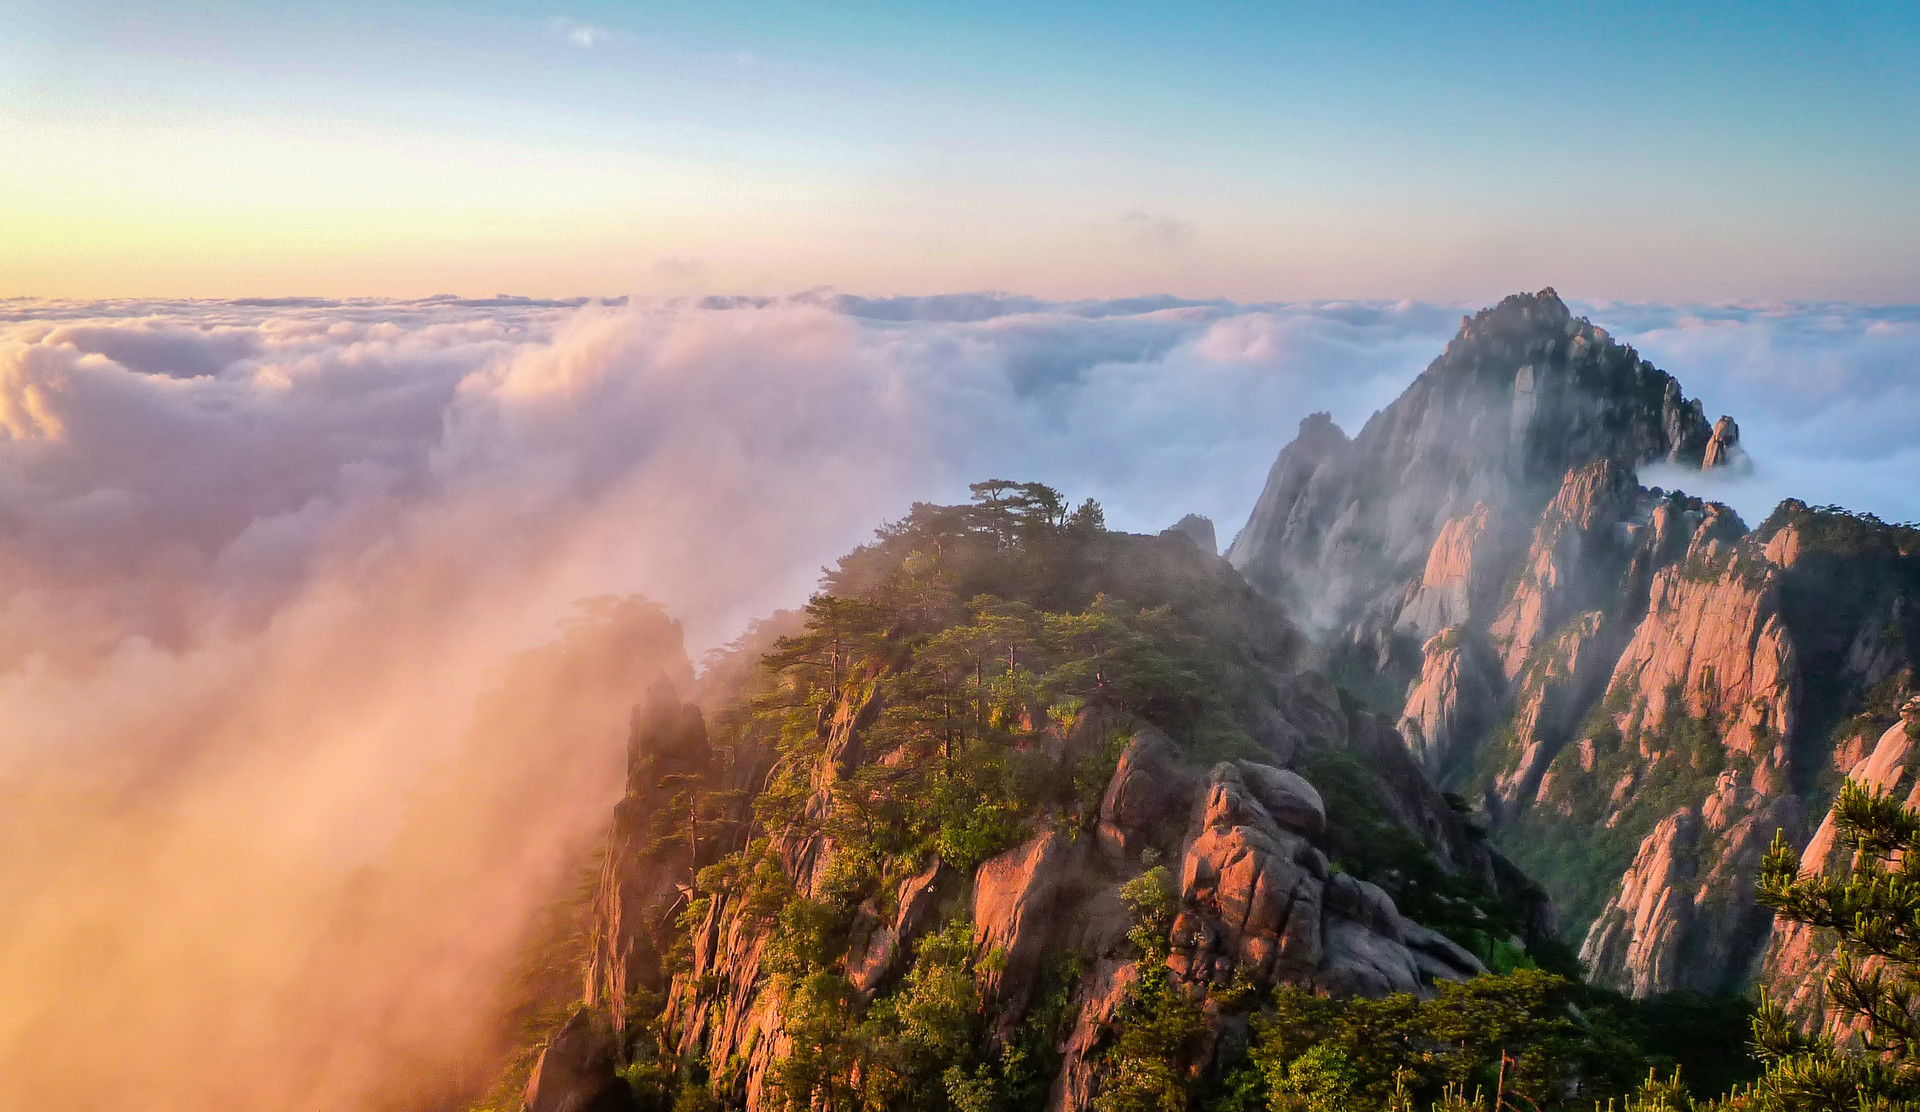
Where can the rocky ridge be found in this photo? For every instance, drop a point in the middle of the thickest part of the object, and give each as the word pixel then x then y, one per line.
pixel 1636 688
pixel 1259 818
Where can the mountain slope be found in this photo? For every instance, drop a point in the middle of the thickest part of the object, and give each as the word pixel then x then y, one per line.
pixel 1008 778
pixel 1637 689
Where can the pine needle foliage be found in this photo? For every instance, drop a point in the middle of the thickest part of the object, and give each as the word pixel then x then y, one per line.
pixel 1874 909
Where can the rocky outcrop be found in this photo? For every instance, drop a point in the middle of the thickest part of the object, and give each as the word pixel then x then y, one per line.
pixel 718 1009
pixel 1613 673
pixel 1522 395
pixel 1723 448
pixel 1450 704
pixel 577 1071
pixel 1146 797
pixel 1799 958
pixel 1250 893
pixel 1199 530
pixel 1259 902
pixel 653 849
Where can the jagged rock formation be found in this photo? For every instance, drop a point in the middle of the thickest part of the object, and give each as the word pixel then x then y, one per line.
pixel 1521 396
pixel 1636 688
pixel 1199 530
pixel 1258 899
pixel 1723 449
pixel 1258 902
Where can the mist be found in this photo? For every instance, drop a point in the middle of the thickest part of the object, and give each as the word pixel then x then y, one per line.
pixel 306 717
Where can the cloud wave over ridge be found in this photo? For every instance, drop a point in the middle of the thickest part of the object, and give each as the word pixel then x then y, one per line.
pixel 265 566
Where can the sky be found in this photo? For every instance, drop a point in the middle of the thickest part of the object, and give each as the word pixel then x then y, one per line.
pixel 1636 151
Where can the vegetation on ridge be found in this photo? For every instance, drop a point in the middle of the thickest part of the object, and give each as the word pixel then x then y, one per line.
pixel 993 657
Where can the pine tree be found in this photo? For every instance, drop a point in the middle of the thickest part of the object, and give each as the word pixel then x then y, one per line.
pixel 1874 909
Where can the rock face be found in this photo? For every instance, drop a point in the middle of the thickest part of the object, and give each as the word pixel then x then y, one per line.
pixel 1015 896
pixel 1574 548
pixel 1717 649
pixel 1450 703
pixel 1524 394
pixel 648 852
pixel 576 1071
pixel 1258 901
pixel 1455 582
pixel 1800 957
pixel 879 948
pixel 1199 530
pixel 1628 681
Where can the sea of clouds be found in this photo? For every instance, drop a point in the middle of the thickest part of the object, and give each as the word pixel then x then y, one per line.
pixel 259 559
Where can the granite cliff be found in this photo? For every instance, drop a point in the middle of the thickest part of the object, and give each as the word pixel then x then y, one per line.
pixel 1635 688
pixel 1016 766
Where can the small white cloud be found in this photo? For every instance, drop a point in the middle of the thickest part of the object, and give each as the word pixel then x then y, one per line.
pixel 583 35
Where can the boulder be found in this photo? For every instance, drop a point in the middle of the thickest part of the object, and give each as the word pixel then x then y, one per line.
pixel 1362 963
pixel 1144 800
pixel 1286 796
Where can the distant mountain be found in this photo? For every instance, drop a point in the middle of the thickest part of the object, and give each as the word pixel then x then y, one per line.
pixel 1636 688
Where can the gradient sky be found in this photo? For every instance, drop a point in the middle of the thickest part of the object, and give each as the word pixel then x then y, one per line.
pixel 1750 151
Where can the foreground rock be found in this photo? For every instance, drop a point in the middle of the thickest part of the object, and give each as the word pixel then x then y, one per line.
pixel 576 1071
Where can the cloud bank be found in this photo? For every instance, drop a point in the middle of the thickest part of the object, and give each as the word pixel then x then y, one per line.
pixel 268 569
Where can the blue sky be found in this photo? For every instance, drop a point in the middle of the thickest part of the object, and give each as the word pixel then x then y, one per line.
pixel 1249 151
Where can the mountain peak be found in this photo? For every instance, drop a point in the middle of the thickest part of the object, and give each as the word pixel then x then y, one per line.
pixel 1523 394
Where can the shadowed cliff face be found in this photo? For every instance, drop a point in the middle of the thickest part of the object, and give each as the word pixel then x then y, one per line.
pixel 1637 689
